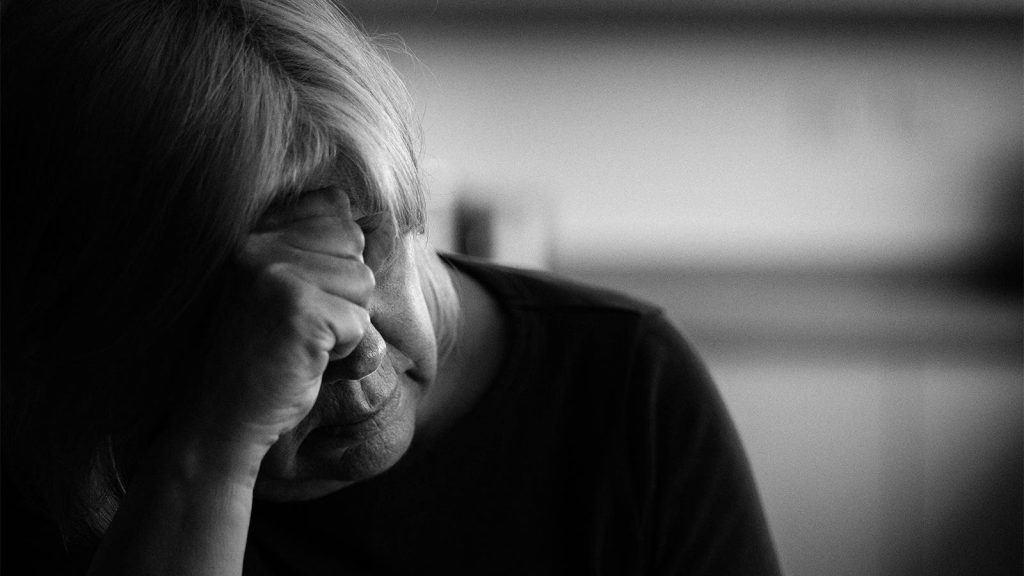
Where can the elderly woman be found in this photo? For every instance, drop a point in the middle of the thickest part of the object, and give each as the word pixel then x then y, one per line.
pixel 228 348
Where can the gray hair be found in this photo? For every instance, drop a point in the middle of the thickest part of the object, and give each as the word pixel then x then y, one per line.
pixel 142 139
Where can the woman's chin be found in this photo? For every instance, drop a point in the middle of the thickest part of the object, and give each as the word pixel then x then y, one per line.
pixel 323 463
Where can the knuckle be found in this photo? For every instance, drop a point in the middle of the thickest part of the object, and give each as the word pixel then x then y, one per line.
pixel 362 319
pixel 349 316
pixel 349 239
pixel 305 321
pixel 352 324
pixel 275 272
pixel 363 283
pixel 370 278
pixel 358 238
pixel 277 281
pixel 352 280
pixel 280 290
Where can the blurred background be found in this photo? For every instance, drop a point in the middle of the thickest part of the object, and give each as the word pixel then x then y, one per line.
pixel 825 197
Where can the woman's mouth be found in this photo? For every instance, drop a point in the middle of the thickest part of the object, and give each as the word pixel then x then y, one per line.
pixel 356 428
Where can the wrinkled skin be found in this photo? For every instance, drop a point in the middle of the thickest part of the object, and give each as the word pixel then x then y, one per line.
pixel 324 349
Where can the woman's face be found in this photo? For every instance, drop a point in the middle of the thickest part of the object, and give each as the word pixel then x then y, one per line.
pixel 364 417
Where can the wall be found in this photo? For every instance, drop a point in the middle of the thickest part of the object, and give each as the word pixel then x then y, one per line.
pixel 819 204
pixel 722 146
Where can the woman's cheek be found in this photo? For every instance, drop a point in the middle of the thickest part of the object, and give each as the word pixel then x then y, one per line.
pixel 400 311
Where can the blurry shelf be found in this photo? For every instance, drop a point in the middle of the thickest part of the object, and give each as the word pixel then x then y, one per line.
pixel 829 313
pixel 730 7
pixel 748 15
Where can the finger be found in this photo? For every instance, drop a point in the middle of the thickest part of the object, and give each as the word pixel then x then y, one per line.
pixel 323 241
pixel 304 325
pixel 326 201
pixel 348 322
pixel 364 359
pixel 317 221
pixel 341 277
pixel 325 235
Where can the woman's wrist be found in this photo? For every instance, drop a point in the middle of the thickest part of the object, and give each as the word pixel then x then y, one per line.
pixel 187 509
pixel 196 456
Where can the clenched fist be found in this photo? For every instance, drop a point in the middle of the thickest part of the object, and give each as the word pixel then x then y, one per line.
pixel 299 298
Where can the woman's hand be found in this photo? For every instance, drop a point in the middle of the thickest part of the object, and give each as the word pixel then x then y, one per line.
pixel 298 297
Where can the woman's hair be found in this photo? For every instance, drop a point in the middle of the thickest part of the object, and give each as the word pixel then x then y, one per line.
pixel 141 140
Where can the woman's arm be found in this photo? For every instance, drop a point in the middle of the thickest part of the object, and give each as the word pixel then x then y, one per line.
pixel 298 299
pixel 186 512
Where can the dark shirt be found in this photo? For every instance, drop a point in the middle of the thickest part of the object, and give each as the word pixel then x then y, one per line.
pixel 602 448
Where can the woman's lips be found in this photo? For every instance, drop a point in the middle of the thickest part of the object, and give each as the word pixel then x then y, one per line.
pixel 348 412
pixel 343 401
pixel 358 428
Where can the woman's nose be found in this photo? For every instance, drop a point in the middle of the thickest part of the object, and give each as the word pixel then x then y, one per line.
pixel 362 362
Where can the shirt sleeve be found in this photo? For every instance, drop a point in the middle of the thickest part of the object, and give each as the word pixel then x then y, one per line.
pixel 701 514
